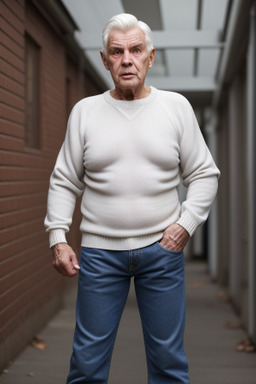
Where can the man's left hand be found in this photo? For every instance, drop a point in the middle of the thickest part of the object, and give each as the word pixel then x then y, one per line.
pixel 175 238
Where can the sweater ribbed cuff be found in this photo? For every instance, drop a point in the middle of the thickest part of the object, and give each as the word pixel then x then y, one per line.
pixel 189 222
pixel 57 236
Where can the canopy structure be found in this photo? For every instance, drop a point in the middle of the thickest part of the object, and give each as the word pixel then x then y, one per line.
pixel 190 37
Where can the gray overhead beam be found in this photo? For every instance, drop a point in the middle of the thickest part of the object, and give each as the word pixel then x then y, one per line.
pixel 198 27
pixel 168 40
pixel 186 39
pixel 182 84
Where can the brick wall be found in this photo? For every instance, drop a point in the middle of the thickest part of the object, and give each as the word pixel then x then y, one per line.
pixel 30 289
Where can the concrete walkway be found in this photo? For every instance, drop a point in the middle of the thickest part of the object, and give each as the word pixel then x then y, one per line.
pixel 211 338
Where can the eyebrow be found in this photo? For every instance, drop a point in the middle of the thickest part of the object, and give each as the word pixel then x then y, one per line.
pixel 116 46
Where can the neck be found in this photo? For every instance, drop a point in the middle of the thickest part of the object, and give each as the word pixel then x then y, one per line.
pixel 130 94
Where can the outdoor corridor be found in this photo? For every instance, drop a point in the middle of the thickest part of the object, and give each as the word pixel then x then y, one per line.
pixel 212 336
pixel 50 59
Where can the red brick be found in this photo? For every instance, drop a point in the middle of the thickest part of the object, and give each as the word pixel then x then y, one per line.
pixel 14 219
pixel 16 8
pixel 11 128
pixel 12 100
pixel 38 282
pixel 12 33
pixel 11 143
pixel 16 21
pixel 10 71
pixel 25 159
pixel 24 275
pixel 12 85
pixel 12 114
pixel 21 2
pixel 19 259
pixel 30 306
pixel 17 188
pixel 10 234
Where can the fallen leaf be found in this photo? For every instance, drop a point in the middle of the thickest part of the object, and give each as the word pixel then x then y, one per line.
pixel 5 371
pixel 245 345
pixel 245 342
pixel 39 343
pixel 250 349
pixel 240 348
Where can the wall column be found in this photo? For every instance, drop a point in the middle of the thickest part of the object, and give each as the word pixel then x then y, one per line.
pixel 237 183
pixel 210 130
pixel 251 162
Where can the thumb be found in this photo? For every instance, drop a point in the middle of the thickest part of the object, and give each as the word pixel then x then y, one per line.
pixel 75 262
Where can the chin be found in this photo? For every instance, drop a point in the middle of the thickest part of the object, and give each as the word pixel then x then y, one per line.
pixel 127 84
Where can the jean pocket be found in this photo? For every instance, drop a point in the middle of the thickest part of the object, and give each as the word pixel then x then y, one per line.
pixel 170 251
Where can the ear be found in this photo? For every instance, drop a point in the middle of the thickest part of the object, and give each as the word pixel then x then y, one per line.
pixel 104 60
pixel 152 58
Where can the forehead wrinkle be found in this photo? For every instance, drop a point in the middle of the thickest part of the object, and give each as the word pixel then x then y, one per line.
pixel 119 44
pixel 123 39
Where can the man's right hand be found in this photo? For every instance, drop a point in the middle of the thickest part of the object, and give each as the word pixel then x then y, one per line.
pixel 65 260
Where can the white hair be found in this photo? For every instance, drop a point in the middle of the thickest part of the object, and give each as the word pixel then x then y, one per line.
pixel 124 22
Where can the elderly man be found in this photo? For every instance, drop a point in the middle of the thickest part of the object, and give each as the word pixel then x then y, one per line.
pixel 124 151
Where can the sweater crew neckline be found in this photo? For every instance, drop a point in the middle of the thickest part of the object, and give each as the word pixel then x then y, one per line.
pixel 131 103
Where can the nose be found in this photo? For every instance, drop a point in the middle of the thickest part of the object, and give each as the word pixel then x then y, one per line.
pixel 126 58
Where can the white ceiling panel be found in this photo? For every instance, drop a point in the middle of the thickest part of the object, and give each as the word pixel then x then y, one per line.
pixel 92 15
pixel 213 14
pixel 180 62
pixel 208 62
pixel 179 14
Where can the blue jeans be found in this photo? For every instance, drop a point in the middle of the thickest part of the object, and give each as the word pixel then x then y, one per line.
pixel 104 281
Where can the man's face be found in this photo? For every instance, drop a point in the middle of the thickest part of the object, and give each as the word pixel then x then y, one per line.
pixel 128 59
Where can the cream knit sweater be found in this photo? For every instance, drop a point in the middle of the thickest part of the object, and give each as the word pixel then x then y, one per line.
pixel 126 158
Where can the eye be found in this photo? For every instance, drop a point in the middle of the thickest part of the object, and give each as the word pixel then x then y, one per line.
pixel 116 52
pixel 137 51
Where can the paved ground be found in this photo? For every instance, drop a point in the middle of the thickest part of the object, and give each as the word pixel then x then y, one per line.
pixel 210 343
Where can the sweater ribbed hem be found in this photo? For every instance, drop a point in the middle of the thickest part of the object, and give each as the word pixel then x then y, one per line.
pixel 119 244
pixel 187 221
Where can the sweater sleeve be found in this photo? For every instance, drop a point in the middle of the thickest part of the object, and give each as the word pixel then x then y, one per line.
pixel 198 170
pixel 66 182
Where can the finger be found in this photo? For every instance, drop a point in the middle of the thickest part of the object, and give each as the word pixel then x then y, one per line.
pixel 73 266
pixel 72 271
pixel 74 262
pixel 164 240
pixel 169 243
pixel 66 271
pixel 59 268
pixel 65 260
pixel 69 270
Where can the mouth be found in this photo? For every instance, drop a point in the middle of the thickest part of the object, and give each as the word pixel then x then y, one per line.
pixel 128 75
